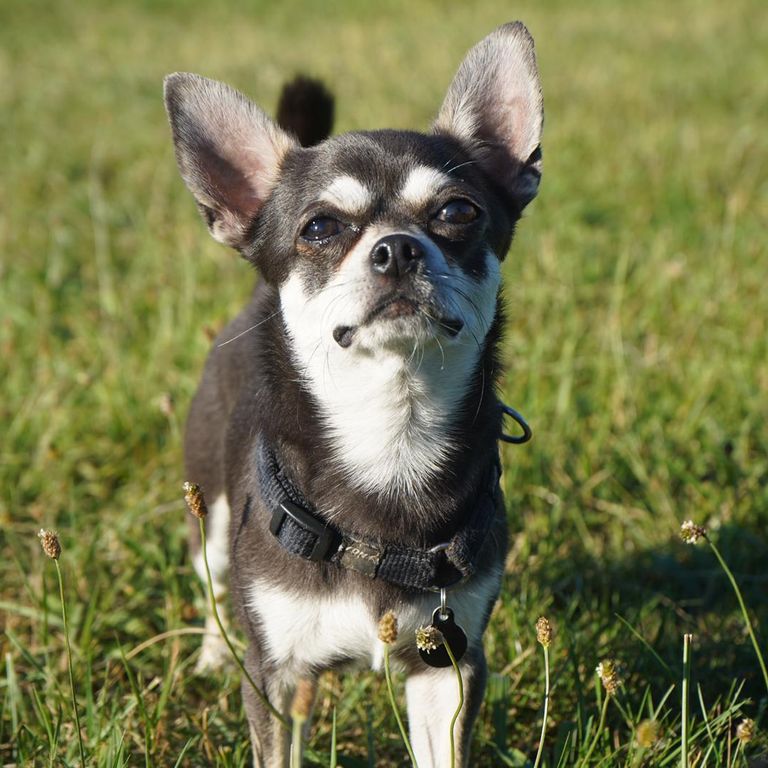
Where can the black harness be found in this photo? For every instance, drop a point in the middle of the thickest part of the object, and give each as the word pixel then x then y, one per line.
pixel 300 530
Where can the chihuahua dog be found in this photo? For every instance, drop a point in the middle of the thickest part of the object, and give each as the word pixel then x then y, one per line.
pixel 345 430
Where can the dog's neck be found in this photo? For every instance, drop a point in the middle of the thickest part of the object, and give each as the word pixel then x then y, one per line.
pixel 392 417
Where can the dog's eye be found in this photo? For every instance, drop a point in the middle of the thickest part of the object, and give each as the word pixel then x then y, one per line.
pixel 322 228
pixel 457 212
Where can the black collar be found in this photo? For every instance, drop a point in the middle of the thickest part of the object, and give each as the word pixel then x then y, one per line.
pixel 301 530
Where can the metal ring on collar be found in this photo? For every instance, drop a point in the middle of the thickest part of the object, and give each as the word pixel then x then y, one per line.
pixel 444 547
pixel 521 422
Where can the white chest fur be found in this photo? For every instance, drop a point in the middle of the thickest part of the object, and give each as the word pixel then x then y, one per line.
pixel 302 631
pixel 389 417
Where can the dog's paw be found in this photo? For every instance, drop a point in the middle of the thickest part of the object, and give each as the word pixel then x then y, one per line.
pixel 214 655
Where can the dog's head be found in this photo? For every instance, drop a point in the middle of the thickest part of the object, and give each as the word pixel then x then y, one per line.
pixel 380 240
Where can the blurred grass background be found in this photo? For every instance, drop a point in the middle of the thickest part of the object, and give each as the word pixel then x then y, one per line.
pixel 637 347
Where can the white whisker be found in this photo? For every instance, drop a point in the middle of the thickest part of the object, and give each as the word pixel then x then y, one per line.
pixel 248 330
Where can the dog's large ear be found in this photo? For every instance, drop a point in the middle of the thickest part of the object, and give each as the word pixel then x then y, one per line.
pixel 228 151
pixel 494 107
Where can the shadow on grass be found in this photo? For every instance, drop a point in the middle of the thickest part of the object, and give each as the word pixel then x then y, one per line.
pixel 638 607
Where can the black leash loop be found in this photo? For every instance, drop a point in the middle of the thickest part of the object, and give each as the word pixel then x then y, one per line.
pixel 521 422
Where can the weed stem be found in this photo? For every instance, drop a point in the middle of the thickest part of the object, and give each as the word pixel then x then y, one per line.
pixel 456 714
pixel 598 732
pixel 393 703
pixel 296 743
pixel 546 708
pixel 69 663
pixel 686 685
pixel 743 607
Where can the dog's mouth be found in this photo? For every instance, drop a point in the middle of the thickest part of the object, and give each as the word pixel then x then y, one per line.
pixel 395 307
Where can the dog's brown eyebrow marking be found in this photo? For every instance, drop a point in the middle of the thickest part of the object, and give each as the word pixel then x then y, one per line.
pixel 421 185
pixel 348 194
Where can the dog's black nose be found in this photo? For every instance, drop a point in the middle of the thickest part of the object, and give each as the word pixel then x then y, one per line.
pixel 396 255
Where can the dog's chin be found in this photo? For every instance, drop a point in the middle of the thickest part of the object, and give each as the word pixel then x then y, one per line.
pixel 398 325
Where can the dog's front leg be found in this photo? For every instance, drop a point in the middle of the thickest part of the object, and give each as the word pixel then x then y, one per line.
pixel 270 740
pixel 433 697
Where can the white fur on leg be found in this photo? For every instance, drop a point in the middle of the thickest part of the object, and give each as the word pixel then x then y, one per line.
pixel 432 698
pixel 214 654
pixel 276 754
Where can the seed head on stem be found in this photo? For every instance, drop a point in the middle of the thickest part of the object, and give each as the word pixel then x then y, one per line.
pixel 428 638
pixel 608 672
pixel 49 541
pixel 544 637
pixel 388 636
pixel 745 731
pixel 648 733
pixel 388 628
pixel 193 495
pixel 610 676
pixel 691 533
pixel 544 631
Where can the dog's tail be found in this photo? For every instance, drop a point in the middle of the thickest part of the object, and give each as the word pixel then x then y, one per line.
pixel 305 109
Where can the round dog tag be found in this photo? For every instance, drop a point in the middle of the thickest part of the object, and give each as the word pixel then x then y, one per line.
pixel 453 634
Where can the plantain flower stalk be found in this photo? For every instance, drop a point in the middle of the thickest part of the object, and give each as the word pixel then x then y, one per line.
pixel 610 676
pixel 691 533
pixel 193 495
pixel 51 545
pixel 388 636
pixel 544 638
pixel 460 706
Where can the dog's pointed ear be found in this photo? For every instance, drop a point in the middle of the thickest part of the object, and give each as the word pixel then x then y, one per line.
pixel 494 107
pixel 229 152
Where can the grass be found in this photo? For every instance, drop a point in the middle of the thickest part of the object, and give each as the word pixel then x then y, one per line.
pixel 637 347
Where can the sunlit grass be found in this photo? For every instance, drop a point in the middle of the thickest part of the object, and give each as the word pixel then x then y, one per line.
pixel 637 347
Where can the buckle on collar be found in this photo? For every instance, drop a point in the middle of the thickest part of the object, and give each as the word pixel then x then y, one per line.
pixel 325 535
